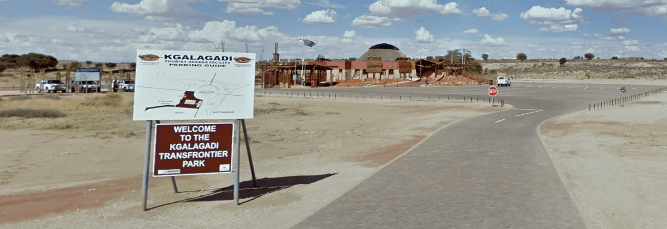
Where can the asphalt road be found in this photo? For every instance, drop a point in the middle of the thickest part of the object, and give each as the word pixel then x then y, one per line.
pixel 490 171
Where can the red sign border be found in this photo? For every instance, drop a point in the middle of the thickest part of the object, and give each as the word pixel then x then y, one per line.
pixel 490 90
pixel 153 145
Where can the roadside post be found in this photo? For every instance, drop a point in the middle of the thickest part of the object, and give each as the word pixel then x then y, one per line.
pixel 192 85
pixel 493 91
pixel 623 90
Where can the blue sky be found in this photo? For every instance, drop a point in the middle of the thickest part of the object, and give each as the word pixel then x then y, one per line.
pixel 112 31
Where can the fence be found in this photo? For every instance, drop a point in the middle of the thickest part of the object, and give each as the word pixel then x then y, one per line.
pixel 617 101
pixel 501 102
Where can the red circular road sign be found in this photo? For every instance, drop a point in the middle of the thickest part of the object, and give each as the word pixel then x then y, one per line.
pixel 493 91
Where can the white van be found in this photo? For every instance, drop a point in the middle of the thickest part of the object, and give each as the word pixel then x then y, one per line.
pixel 504 81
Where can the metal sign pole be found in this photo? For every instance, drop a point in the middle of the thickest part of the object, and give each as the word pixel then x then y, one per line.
pixel 147 158
pixel 237 162
pixel 247 147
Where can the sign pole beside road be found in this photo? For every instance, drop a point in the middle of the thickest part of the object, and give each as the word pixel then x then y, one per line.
pixel 493 91
pixel 623 90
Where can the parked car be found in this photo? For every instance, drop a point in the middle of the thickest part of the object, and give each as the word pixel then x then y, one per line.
pixel 50 85
pixel 504 81
pixel 84 86
pixel 123 84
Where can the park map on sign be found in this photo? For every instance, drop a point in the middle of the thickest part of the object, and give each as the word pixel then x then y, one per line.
pixel 201 95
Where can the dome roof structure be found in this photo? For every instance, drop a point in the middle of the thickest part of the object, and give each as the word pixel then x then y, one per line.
pixel 386 51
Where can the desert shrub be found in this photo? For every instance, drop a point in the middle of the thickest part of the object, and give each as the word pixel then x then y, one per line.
pixel 521 56
pixel 614 58
pixel 32 113
pixel 562 61
pixel 110 100
pixel 260 111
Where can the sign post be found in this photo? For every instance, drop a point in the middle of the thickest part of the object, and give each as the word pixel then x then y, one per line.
pixel 191 85
pixel 493 91
pixel 623 90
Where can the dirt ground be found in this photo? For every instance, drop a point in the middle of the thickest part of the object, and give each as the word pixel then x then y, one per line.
pixel 84 170
pixel 613 162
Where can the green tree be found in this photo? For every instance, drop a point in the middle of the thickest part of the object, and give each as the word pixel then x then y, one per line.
pixel 614 58
pixel 429 58
pixel 37 61
pixel 475 67
pixel 88 62
pixel 455 56
pixel 2 68
pixel 521 56
pixel 562 61
pixel 74 65
pixel 110 65
pixel 485 56
pixel 589 56
pixel 99 65
pixel 9 60
pixel 133 65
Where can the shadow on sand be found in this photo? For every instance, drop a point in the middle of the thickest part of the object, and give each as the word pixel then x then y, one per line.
pixel 249 193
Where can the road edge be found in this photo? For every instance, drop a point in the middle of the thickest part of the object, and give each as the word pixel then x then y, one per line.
pixel 580 210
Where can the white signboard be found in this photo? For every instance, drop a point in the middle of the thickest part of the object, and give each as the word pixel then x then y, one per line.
pixel 87 74
pixel 191 85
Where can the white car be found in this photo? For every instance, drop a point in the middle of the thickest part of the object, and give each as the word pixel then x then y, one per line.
pixel 50 85
pixel 504 81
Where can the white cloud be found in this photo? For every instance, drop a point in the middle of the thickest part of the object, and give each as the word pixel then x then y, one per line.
pixel 663 54
pixel 590 50
pixel 76 28
pixel 621 37
pixel 424 36
pixel 321 17
pixel 401 8
pixel 560 28
pixel 620 31
pixel 471 31
pixel 160 10
pixel 372 21
pixel 553 16
pixel 640 7
pixel 227 30
pixel 349 36
pixel 257 6
pixel 325 3
pixel 587 35
pixel 70 2
pixel 561 19
pixel 607 38
pixel 490 41
pixel 632 48
pixel 483 12
pixel 631 42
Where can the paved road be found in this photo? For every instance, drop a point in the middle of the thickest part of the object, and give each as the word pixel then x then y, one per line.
pixel 489 171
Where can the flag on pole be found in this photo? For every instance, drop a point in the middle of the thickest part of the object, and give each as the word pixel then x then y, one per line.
pixel 308 43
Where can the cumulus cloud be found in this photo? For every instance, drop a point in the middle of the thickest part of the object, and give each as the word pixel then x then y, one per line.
pixel 631 42
pixel 483 12
pixel 372 21
pixel 471 31
pixel 565 20
pixel 560 28
pixel 257 6
pixel 621 37
pixel 227 30
pixel 160 10
pixel 349 36
pixel 639 7
pixel 321 17
pixel 490 41
pixel 424 36
pixel 607 38
pixel 620 31
pixel 70 2
pixel 401 8
pixel 326 4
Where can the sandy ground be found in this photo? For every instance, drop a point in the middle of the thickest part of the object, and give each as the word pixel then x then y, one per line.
pixel 84 170
pixel 613 162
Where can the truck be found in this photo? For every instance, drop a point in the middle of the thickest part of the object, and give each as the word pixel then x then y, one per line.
pixel 84 86
pixel 122 84
pixel 50 85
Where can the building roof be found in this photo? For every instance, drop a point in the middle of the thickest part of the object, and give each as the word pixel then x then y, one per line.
pixel 386 51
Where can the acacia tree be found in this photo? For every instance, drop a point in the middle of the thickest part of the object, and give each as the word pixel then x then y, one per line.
pixel 485 56
pixel 589 56
pixel 562 61
pixel 37 61
pixel 521 56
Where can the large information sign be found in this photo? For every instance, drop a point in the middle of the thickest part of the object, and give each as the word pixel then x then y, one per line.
pixel 191 85
pixel 87 74
pixel 193 149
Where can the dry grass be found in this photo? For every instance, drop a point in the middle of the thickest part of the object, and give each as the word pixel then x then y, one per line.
pixel 32 113
pixel 110 115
